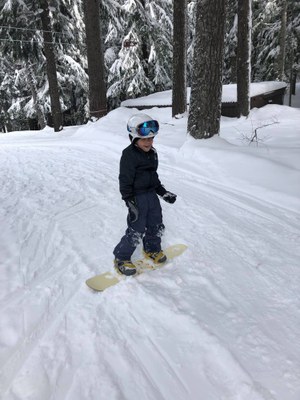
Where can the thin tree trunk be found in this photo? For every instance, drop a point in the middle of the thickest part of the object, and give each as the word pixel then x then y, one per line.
pixel 97 87
pixel 282 41
pixel 144 47
pixel 206 92
pixel 179 105
pixel 244 57
pixel 51 66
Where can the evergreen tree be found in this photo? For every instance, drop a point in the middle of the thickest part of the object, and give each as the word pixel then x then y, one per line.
pixel 144 61
pixel 137 53
pixel 67 20
pixel 69 37
pixel 191 26
pixel 161 43
pixel 8 91
pixel 266 37
pixel 22 44
pixel 112 29
pixel 230 47
pixel 51 65
pixel 292 59
pixel 282 41
pixel 36 101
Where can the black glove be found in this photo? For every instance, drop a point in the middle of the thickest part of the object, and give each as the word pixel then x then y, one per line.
pixel 132 209
pixel 169 197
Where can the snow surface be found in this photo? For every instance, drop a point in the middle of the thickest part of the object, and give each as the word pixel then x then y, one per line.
pixel 229 94
pixel 221 322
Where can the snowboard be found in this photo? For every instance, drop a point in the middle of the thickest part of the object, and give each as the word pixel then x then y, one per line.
pixel 108 279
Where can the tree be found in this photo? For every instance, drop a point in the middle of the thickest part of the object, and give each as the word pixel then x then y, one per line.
pixel 160 43
pixel 282 42
pixel 137 54
pixel 97 86
pixel 244 57
pixel 51 66
pixel 179 57
pixel 267 36
pixel 36 102
pixel 144 61
pixel 191 24
pixel 22 44
pixel 293 49
pixel 206 91
pixel 128 74
pixel 230 47
pixel 8 91
pixel 69 37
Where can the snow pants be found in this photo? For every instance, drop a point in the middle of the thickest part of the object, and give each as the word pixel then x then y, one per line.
pixel 148 227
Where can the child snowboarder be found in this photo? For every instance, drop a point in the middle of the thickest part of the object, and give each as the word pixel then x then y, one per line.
pixel 139 187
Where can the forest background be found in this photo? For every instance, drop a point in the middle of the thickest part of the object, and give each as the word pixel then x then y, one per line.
pixel 137 49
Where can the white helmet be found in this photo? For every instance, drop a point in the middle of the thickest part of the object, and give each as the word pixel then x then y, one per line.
pixel 141 126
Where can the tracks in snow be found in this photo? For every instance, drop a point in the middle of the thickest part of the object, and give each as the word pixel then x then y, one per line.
pixel 229 226
pixel 49 269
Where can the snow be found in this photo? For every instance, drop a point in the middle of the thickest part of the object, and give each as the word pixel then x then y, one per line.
pixel 229 94
pixel 220 322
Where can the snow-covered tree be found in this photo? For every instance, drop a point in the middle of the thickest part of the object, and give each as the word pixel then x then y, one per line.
pixel 112 29
pixel 230 46
pixel 9 90
pixel 137 52
pixel 267 25
pixel 145 58
pixel 191 27
pixel 282 40
pixel 22 45
pixel 69 35
pixel 292 59
pixel 44 14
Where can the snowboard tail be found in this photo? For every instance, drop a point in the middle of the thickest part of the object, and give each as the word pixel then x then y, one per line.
pixel 108 279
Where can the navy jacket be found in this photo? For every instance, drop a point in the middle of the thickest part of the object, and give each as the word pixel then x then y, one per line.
pixel 138 172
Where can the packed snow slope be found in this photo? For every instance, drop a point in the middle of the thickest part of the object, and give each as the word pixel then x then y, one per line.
pixel 221 322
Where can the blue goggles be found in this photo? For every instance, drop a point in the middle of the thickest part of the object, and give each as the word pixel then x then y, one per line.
pixel 147 127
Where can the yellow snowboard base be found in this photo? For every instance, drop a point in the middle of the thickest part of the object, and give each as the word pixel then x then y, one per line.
pixel 108 279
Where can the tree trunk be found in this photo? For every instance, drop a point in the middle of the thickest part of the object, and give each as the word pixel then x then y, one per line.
pixel 244 57
pixel 179 105
pixel 145 47
pixel 51 66
pixel 206 92
pixel 97 87
pixel 282 41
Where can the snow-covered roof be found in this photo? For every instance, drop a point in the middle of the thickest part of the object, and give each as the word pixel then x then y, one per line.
pixel 229 94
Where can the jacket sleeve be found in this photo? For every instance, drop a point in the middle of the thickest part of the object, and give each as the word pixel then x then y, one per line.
pixel 126 175
pixel 160 190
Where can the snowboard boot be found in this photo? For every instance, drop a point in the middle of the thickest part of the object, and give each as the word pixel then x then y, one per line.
pixel 124 267
pixel 159 258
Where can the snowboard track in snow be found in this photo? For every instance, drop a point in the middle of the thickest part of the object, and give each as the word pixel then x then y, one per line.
pixel 241 247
